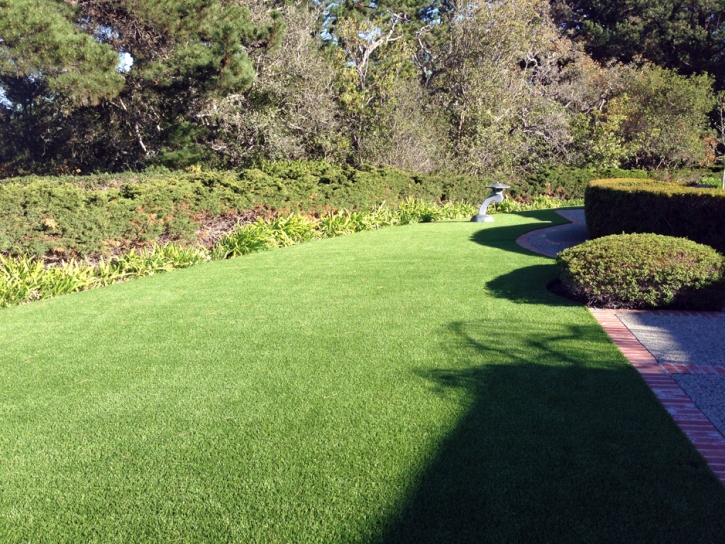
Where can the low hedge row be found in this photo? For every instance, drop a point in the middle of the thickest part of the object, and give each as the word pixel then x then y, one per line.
pixel 76 216
pixel 102 214
pixel 615 206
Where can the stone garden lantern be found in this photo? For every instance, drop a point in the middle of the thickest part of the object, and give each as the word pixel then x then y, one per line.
pixel 496 196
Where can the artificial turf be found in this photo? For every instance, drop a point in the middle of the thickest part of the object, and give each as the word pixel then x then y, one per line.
pixel 415 384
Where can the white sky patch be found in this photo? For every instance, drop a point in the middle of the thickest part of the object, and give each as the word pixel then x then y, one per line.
pixel 125 61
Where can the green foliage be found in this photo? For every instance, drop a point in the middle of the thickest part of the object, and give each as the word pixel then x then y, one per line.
pixel 618 206
pixel 282 231
pixel 296 228
pixel 686 36
pixel 542 202
pixel 24 279
pixel 78 216
pixel 489 89
pixel 567 182
pixel 40 42
pixel 666 116
pixel 66 219
pixel 657 119
pixel 85 215
pixel 644 271
pixel 69 104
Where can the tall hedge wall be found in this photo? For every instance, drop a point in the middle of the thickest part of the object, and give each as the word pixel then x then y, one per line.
pixel 616 206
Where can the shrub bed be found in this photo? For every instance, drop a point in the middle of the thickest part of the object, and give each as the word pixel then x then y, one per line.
pixel 643 271
pixel 106 214
pixel 24 279
pixel 615 206
pixel 567 182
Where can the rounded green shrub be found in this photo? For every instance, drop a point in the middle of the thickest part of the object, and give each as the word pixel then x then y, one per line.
pixel 643 271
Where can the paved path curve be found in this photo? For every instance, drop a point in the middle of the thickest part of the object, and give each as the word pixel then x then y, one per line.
pixel 551 240
pixel 680 355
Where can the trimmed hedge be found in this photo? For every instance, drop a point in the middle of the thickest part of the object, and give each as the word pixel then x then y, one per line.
pixel 615 206
pixel 643 271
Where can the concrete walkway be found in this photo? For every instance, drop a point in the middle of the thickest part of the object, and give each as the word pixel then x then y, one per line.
pixel 680 355
pixel 551 240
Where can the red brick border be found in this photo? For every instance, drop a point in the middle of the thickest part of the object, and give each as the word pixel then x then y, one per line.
pixel 698 428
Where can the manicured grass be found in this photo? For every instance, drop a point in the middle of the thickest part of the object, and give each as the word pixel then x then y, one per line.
pixel 416 384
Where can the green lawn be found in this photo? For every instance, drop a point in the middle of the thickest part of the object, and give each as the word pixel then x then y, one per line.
pixel 416 384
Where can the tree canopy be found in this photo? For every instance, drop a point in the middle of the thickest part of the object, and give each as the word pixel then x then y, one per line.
pixel 688 35
pixel 496 86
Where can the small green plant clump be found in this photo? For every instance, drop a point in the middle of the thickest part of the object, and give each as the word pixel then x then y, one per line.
pixel 542 202
pixel 643 271
pixel 25 279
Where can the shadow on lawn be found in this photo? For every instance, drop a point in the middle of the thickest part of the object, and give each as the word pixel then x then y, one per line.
pixel 527 285
pixel 568 448
pixel 500 237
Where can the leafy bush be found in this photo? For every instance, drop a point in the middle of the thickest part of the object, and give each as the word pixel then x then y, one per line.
pixel 566 182
pixel 644 271
pixel 617 206
pixel 80 216
pixel 74 217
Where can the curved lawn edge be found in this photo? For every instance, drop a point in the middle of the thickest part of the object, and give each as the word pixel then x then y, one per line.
pixel 25 279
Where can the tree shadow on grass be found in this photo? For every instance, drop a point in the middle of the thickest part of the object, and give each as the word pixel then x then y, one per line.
pixel 504 238
pixel 569 447
pixel 527 285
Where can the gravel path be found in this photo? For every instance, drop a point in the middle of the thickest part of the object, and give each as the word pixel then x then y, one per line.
pixel 708 394
pixel 674 338
pixel 550 241
pixel 692 340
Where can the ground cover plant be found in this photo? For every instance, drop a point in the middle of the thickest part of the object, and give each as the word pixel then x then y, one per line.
pixel 24 279
pixel 107 214
pixel 412 384
pixel 644 271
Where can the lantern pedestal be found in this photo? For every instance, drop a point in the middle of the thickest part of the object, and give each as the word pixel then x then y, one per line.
pixel 496 196
pixel 482 218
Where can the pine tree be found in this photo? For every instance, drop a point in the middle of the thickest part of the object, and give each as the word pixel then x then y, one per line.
pixel 59 68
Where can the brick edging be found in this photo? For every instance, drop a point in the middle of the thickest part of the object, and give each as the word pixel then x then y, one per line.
pixel 696 426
